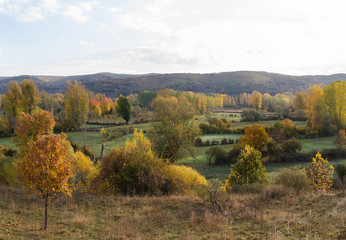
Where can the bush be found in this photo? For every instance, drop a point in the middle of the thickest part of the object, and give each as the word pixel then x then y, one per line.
pixel 183 179
pixel 198 142
pixel 251 115
pixel 213 195
pixel 292 145
pixel 9 174
pixel 216 155
pixel 248 169
pixel 320 172
pixel 294 179
pixel 340 171
pixel 83 170
pixel 135 170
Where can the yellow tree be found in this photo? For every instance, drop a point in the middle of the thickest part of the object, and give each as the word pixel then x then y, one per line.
pixel 334 99
pixel 13 106
pixel 314 96
pixel 255 136
pixel 256 100
pixel 76 104
pixel 30 95
pixel 30 126
pixel 46 166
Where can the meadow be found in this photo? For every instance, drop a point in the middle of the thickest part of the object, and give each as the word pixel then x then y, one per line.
pixel 246 216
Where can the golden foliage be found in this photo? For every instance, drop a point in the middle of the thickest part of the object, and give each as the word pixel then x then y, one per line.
pixel 255 136
pixel 320 172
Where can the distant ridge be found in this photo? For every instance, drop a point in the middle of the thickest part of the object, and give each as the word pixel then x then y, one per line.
pixel 225 82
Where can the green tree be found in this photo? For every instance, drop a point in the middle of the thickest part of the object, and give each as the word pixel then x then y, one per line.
pixel 13 98
pixel 334 98
pixel 175 129
pixel 30 95
pixel 76 104
pixel 123 108
pixel 248 169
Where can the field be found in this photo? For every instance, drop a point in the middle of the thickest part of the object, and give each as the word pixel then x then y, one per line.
pixel 246 216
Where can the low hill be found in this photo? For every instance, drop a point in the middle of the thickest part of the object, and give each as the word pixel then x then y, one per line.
pixel 226 82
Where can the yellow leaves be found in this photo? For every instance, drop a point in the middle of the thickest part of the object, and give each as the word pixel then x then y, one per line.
pixel 320 172
pixel 255 136
pixel 46 165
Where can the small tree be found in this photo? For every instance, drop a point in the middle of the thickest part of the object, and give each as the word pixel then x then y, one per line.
pixel 123 108
pixel 320 172
pixel 248 169
pixel 46 166
pixel 340 139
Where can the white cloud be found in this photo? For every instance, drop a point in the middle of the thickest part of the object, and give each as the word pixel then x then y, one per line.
pixel 31 11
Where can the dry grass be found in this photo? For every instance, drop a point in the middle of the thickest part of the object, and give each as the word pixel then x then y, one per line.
pixel 274 214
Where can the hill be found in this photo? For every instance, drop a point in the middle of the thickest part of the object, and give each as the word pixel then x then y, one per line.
pixel 226 82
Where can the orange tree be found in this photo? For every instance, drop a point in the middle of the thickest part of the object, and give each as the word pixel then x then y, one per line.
pixel 320 172
pixel 46 166
pixel 255 136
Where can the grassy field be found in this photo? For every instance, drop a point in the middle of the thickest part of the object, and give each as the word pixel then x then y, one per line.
pixel 245 216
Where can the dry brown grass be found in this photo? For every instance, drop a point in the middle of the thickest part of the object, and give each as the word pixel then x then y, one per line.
pixel 247 216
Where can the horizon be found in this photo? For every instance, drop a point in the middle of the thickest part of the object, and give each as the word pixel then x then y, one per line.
pixel 65 38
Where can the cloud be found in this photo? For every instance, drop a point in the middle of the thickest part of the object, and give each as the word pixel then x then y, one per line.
pixel 31 11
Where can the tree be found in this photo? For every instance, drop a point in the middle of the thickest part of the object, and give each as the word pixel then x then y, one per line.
pixel 175 129
pixel 30 126
pixel 314 106
pixel 145 98
pixel 30 95
pixel 255 136
pixel 13 106
pixel 46 166
pixel 76 104
pixel 340 139
pixel 256 100
pixel 248 169
pixel 106 105
pixel 320 172
pixel 334 98
pixel 123 108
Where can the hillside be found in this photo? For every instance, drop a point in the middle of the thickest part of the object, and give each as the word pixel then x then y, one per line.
pixel 227 82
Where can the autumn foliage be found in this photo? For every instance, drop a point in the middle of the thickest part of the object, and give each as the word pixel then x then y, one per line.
pixel 255 136
pixel 248 169
pixel 320 172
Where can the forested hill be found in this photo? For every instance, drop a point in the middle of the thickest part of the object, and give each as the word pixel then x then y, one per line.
pixel 228 82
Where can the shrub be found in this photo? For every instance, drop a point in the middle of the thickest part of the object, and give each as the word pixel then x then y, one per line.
pixel 213 195
pixel 183 179
pixel 83 169
pixel 198 142
pixel 341 172
pixel 292 145
pixel 320 172
pixel 294 179
pixel 251 115
pixel 216 155
pixel 132 169
pixel 248 169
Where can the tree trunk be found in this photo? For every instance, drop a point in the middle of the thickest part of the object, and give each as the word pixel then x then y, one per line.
pixel 102 150
pixel 45 215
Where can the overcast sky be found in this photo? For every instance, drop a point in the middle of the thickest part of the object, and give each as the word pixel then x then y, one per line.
pixel 66 37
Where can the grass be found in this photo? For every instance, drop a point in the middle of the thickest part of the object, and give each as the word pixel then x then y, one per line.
pixel 246 216
pixel 219 137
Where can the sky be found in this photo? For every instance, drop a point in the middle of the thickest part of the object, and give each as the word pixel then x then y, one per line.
pixel 68 37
